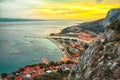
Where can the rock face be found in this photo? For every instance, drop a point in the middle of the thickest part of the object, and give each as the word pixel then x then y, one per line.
pixel 97 26
pixel 113 15
pixel 101 60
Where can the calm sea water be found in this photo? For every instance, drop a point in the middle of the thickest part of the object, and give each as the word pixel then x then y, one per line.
pixel 21 42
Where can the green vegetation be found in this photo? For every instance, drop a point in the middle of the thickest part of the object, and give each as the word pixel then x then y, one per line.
pixel 70 35
pixel 51 76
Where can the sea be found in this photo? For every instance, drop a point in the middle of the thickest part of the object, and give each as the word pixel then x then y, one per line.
pixel 22 42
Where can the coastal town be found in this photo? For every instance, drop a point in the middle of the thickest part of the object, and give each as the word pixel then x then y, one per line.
pixel 59 39
pixel 71 48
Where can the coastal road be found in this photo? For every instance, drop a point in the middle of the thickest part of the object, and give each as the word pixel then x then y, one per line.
pixel 70 38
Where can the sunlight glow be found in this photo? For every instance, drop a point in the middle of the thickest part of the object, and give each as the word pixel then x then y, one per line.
pixel 74 11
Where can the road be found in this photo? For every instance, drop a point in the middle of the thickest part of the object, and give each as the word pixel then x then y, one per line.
pixel 70 38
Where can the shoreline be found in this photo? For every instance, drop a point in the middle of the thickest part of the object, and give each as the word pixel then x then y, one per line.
pixel 59 46
pixel 65 59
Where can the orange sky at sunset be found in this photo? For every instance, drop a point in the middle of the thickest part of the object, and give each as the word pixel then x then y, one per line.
pixel 58 9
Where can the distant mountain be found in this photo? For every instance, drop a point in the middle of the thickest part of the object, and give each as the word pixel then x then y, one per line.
pixel 96 26
pixel 18 19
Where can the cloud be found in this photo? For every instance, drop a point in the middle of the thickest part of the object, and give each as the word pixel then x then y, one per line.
pixel 98 1
pixel 74 11
pixel 3 0
pixel 58 0
pixel 56 9
pixel 17 8
pixel 61 1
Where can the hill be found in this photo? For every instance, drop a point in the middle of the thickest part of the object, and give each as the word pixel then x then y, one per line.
pixel 101 60
pixel 95 26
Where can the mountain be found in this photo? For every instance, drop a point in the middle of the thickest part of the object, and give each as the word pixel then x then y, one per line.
pixel 101 60
pixel 18 19
pixel 95 26
pixel 112 16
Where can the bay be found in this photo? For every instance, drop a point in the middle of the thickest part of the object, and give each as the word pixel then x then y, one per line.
pixel 21 42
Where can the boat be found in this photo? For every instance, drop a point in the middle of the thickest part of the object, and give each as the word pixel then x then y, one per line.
pixel 37 59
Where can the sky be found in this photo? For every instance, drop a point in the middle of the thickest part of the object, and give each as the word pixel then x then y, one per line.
pixel 57 9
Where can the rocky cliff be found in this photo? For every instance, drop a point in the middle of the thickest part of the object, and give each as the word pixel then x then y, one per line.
pixel 97 26
pixel 101 60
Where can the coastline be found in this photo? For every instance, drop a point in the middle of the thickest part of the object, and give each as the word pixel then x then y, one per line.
pixel 67 60
pixel 66 56
pixel 30 42
pixel 80 60
pixel 59 46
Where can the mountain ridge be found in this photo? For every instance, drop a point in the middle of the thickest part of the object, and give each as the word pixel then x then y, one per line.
pixel 97 26
pixel 101 60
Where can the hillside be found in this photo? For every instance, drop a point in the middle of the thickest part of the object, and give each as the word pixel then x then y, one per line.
pixel 91 26
pixel 101 60
pixel 95 26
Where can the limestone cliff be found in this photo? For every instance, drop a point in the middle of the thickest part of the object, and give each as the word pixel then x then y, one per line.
pixel 101 60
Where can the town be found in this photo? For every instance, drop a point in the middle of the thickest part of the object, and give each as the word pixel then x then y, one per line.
pixel 71 48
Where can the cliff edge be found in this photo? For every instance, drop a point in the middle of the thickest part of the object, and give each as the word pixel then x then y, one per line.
pixel 101 60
